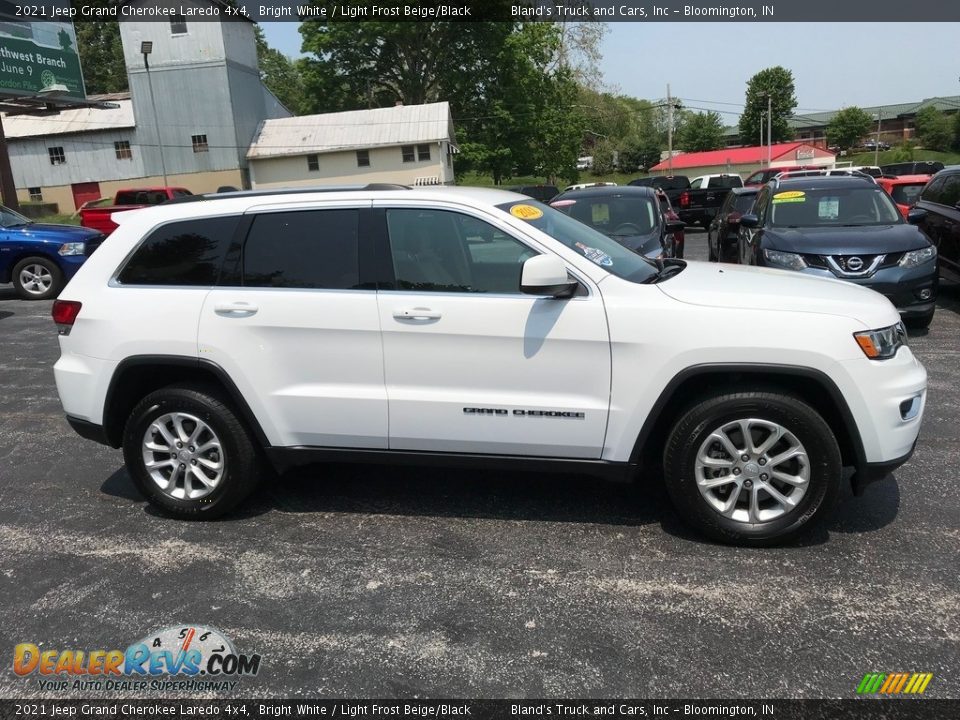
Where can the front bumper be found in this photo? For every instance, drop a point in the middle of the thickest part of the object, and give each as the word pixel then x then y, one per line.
pixel 874 472
pixel 905 288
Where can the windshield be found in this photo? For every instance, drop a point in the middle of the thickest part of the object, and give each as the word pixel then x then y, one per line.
pixel 9 218
pixel 613 215
pixel 743 202
pixel 835 206
pixel 595 246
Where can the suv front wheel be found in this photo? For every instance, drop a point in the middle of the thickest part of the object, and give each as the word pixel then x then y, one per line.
pixel 752 468
pixel 189 453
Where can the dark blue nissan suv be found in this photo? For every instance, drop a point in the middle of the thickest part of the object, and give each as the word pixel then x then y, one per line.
pixel 846 228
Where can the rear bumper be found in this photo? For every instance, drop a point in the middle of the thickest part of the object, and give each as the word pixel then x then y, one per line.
pixel 88 430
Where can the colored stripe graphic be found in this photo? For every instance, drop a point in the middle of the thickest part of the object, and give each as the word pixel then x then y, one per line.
pixel 894 683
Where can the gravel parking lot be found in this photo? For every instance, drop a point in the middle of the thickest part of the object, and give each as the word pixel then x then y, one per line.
pixel 373 581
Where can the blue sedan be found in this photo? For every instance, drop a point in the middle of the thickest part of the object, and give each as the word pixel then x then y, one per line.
pixel 40 258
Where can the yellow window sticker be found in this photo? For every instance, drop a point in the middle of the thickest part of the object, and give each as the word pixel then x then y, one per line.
pixel 790 196
pixel 526 212
pixel 600 214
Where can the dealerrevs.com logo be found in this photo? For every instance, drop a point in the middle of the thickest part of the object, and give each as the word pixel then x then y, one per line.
pixel 191 657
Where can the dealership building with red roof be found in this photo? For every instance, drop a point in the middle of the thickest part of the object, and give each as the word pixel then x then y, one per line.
pixel 744 160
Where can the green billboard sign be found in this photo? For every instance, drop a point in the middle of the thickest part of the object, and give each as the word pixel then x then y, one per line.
pixel 40 56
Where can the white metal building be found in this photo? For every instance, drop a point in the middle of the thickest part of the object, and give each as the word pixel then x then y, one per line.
pixel 406 144
pixel 209 102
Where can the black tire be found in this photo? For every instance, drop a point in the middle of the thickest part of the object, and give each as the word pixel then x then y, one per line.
pixel 241 462
pixel 920 323
pixel 700 420
pixel 33 291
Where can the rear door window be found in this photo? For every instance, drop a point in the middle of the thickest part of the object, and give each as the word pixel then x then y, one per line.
pixel 306 249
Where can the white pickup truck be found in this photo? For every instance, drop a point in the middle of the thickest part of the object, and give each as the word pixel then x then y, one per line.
pixel 714 182
pixel 214 340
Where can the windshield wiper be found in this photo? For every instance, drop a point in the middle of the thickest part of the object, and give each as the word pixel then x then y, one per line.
pixel 666 269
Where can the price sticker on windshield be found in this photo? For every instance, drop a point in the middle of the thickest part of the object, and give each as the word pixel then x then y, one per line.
pixel 791 196
pixel 526 212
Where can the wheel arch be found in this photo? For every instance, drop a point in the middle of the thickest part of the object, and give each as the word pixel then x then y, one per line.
pixel 139 375
pixel 814 386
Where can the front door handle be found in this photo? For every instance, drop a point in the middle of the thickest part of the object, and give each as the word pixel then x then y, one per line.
pixel 417 313
pixel 235 308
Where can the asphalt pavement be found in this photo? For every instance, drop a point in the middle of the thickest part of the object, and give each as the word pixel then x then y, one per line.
pixel 359 581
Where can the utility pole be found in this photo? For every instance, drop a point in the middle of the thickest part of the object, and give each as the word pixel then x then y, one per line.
pixel 761 128
pixel 769 126
pixel 876 148
pixel 146 47
pixel 669 132
pixel 7 186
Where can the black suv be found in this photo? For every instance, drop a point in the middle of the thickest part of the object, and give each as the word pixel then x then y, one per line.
pixel 846 228
pixel 919 167
pixel 940 200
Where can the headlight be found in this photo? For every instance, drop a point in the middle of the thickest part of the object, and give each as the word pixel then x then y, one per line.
pixel 791 261
pixel 883 343
pixel 918 257
pixel 74 248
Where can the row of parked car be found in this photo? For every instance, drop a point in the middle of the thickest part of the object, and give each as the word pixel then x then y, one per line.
pixel 893 234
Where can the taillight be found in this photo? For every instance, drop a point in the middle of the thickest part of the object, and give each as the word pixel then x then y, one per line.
pixel 684 199
pixel 65 314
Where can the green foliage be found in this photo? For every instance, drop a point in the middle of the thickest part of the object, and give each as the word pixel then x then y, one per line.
pixel 513 101
pixel 701 131
pixel 904 152
pixel 934 130
pixel 848 126
pixel 101 53
pixel 956 131
pixel 778 82
pixel 281 75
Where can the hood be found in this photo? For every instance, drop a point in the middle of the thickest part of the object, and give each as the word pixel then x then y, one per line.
pixel 58 233
pixel 752 288
pixel 648 245
pixel 867 240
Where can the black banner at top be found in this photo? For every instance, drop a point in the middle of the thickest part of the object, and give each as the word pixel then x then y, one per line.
pixel 816 11
pixel 454 709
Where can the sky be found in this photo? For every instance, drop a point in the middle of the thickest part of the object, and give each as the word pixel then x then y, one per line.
pixel 708 65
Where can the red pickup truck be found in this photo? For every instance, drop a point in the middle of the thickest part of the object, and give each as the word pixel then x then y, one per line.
pixel 99 217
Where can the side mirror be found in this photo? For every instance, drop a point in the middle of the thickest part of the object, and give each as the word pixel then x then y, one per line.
pixel 749 220
pixel 915 216
pixel 675 225
pixel 546 275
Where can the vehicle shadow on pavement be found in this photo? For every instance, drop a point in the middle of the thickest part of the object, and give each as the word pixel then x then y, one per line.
pixel 431 492
pixel 4 314
pixel 437 492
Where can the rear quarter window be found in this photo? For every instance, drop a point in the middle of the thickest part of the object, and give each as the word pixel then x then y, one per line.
pixel 187 252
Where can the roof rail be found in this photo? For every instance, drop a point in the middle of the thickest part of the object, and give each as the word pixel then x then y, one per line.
pixel 288 191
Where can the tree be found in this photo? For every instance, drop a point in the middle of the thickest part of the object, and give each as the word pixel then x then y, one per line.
pixel 956 131
pixel 848 126
pixel 101 54
pixel 777 82
pixel 281 75
pixel 513 101
pixel 701 131
pixel 933 129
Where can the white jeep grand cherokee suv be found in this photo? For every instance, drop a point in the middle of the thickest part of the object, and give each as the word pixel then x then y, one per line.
pixel 216 339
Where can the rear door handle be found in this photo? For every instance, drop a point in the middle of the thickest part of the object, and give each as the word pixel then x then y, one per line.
pixel 235 308
pixel 417 313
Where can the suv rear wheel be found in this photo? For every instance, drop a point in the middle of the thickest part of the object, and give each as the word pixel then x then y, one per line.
pixel 752 468
pixel 188 452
